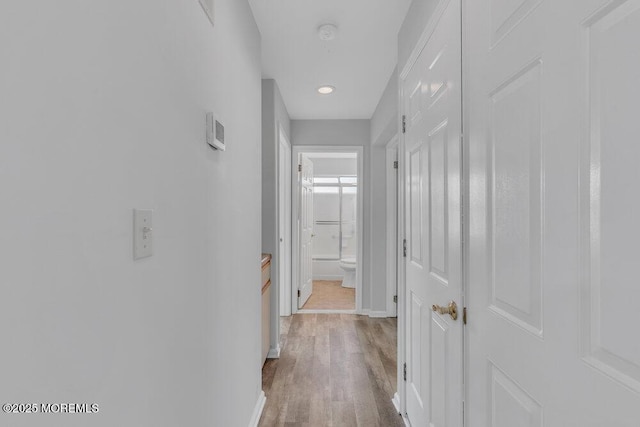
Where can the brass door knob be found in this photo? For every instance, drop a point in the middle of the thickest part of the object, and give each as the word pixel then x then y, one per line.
pixel 451 310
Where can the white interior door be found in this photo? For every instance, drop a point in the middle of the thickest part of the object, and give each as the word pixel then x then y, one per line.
pixel 433 263
pixel 552 119
pixel 305 286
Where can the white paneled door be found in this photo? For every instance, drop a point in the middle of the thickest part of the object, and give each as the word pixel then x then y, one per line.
pixel 552 118
pixel 433 263
pixel 306 230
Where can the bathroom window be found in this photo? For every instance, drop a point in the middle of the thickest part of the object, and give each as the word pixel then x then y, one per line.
pixel 326 190
pixel 349 180
pixel 320 180
pixel 335 212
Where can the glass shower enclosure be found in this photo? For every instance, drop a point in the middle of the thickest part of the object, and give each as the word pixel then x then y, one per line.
pixel 335 214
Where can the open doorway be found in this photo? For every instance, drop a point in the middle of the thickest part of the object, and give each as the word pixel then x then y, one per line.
pixel 327 229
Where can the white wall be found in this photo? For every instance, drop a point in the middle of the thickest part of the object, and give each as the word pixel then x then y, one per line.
pixel 378 233
pixel 384 126
pixel 327 270
pixel 334 167
pixel 341 133
pixel 274 116
pixel 330 132
pixel 384 122
pixel 102 110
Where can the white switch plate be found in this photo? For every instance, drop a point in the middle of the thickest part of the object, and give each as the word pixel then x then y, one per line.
pixel 142 233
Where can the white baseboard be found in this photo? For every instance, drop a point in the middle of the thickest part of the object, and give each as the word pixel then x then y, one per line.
pixel 382 313
pixel 257 411
pixel 274 353
pixel 396 402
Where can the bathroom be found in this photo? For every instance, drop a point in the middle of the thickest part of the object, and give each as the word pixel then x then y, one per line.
pixel 335 231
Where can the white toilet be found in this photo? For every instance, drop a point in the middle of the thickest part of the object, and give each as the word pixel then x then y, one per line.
pixel 349 267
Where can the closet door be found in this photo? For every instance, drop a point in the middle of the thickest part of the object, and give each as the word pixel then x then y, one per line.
pixel 551 92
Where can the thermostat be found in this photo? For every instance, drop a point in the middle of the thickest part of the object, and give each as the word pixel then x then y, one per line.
pixel 215 132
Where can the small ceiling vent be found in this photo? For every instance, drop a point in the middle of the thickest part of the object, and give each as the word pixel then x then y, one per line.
pixel 327 32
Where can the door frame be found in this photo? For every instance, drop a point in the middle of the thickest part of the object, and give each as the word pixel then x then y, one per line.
pixel 284 223
pixel 399 399
pixel 465 196
pixel 297 151
pixel 392 155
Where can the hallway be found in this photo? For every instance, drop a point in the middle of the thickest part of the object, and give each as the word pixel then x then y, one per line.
pixel 467 169
pixel 334 370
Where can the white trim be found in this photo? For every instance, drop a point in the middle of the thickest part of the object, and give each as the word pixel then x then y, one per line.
pixel 424 38
pixel 284 280
pixel 370 235
pixel 257 410
pixel 392 155
pixel 398 405
pixel 322 311
pixel 402 285
pixel 396 402
pixel 298 150
pixel 274 353
pixel 295 231
pixel 465 200
pixel 378 314
pixel 406 421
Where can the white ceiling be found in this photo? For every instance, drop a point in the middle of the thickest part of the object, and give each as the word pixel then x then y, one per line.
pixel 358 62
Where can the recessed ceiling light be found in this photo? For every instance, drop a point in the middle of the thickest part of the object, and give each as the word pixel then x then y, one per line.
pixel 326 90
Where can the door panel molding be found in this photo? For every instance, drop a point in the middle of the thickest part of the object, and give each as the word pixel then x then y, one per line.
pixel 510 404
pixel 517 176
pixel 438 202
pixel 507 15
pixel 607 213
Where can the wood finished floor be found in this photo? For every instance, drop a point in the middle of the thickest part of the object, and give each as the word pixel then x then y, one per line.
pixel 329 294
pixel 334 370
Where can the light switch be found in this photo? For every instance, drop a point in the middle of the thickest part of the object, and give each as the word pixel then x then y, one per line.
pixel 142 233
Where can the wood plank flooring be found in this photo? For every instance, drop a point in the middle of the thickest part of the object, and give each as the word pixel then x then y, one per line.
pixel 334 370
pixel 330 295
